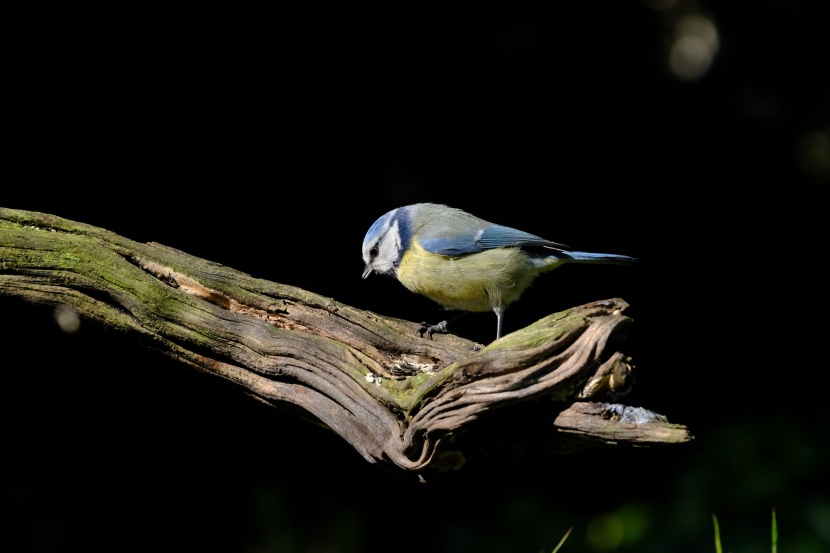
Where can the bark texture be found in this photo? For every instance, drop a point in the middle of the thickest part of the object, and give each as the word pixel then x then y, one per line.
pixel 410 403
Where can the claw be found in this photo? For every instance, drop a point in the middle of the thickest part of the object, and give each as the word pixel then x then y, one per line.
pixel 431 329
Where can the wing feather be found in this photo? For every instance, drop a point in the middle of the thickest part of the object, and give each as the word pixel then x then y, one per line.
pixel 495 236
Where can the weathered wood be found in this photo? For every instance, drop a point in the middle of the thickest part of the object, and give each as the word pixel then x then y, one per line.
pixel 398 399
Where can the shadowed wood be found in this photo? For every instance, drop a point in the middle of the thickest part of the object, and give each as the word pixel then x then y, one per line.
pixel 400 400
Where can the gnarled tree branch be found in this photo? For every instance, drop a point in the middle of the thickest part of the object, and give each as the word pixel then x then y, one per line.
pixel 398 399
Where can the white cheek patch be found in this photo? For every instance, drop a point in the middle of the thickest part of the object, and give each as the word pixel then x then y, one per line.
pixel 389 248
pixel 396 234
pixel 390 243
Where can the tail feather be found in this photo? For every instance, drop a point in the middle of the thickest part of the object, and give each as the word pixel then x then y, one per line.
pixel 589 257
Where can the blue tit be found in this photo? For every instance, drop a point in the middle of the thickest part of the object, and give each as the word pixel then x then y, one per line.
pixel 461 261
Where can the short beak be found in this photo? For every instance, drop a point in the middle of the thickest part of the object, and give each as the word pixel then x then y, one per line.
pixel 367 271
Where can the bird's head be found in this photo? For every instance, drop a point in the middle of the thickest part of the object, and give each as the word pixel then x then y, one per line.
pixel 385 243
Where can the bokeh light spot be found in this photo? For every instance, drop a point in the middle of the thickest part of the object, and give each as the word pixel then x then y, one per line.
pixel 605 532
pixel 812 152
pixel 694 47
pixel 67 319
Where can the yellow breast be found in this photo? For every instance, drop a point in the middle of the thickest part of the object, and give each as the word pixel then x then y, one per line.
pixel 475 282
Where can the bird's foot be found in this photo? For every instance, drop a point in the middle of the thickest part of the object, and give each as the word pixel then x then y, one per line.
pixel 431 329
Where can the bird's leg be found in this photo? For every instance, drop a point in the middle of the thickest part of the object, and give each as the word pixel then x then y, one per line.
pixel 499 318
pixel 440 328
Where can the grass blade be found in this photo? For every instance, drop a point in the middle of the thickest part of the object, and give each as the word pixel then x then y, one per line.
pixel 555 549
pixel 774 533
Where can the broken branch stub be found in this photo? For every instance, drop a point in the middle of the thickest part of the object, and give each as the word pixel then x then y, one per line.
pixel 400 400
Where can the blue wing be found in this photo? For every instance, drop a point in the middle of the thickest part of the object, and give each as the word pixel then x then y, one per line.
pixel 495 236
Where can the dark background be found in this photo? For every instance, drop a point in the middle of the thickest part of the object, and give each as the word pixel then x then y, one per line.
pixel 270 142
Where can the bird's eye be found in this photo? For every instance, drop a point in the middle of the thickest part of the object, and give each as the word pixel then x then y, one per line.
pixel 373 252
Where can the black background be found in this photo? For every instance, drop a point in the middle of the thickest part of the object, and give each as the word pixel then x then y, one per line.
pixel 270 142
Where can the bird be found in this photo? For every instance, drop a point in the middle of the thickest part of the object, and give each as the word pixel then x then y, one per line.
pixel 461 261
